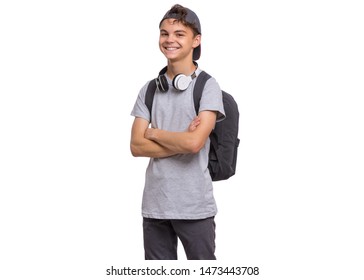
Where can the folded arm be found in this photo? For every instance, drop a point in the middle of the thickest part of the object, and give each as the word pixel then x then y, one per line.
pixel 154 142
pixel 143 147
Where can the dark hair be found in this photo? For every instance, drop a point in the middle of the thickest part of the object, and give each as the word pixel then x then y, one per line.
pixel 180 14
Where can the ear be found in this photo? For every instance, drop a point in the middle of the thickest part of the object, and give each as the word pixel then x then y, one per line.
pixel 196 41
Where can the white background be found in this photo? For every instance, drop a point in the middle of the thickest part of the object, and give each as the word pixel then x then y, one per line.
pixel 71 192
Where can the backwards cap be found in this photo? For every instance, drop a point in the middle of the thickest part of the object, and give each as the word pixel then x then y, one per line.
pixel 190 18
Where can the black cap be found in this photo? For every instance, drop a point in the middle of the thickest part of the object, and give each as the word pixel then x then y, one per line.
pixel 191 18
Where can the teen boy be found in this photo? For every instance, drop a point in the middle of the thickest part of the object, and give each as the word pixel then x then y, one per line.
pixel 178 199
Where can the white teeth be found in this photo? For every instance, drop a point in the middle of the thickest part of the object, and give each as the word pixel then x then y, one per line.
pixel 171 49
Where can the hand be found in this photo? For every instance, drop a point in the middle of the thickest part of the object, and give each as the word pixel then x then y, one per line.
pixel 194 124
pixel 149 133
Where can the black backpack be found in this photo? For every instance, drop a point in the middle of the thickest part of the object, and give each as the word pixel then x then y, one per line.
pixel 224 137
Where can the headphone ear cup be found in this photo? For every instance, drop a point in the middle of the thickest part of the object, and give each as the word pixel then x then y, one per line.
pixel 162 83
pixel 181 82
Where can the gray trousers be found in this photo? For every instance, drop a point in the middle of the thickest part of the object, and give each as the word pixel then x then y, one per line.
pixel 197 237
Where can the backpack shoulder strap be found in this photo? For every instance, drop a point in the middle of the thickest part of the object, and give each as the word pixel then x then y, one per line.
pixel 152 86
pixel 149 95
pixel 198 89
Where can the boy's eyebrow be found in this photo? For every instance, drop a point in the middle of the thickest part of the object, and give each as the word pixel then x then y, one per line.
pixel 176 31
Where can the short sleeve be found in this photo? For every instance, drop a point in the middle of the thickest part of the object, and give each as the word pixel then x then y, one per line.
pixel 140 109
pixel 211 99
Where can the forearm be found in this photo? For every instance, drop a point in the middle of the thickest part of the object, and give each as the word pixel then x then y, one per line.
pixel 149 148
pixel 143 147
pixel 178 142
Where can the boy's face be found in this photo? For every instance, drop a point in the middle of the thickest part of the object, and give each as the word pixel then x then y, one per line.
pixel 177 41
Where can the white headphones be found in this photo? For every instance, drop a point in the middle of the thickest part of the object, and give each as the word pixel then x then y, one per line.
pixel 180 82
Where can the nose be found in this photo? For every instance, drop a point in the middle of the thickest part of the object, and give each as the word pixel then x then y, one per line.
pixel 170 38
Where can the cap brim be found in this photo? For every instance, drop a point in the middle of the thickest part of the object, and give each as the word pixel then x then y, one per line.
pixel 197 53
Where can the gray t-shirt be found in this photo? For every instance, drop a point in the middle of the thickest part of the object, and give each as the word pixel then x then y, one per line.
pixel 180 186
